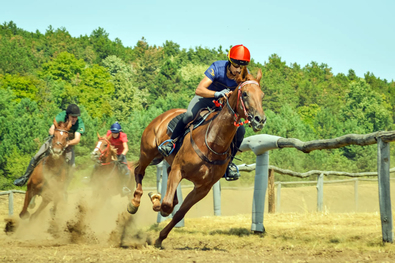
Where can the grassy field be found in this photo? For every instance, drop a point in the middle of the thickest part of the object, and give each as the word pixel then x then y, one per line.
pixel 81 232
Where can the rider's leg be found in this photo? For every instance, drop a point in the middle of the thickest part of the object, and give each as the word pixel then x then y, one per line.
pixel 33 162
pixel 232 172
pixel 194 106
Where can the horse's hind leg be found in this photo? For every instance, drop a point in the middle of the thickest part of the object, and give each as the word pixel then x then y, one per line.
pixel 139 173
pixel 192 198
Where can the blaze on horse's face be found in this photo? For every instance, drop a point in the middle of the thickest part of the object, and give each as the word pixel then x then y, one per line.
pixel 60 138
pixel 251 96
pixel 100 148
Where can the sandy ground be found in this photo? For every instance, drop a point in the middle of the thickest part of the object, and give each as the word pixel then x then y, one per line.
pixel 83 231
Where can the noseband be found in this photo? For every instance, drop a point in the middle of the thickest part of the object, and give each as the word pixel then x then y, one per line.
pixel 105 152
pixel 59 143
pixel 238 121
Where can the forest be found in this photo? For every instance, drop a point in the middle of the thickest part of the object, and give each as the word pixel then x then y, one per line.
pixel 41 73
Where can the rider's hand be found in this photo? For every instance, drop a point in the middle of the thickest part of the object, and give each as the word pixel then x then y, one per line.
pixel 222 93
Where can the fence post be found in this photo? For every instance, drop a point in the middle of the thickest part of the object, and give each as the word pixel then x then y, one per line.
pixel 278 197
pixel 10 203
pixel 320 192
pixel 217 198
pixel 159 169
pixel 356 194
pixel 383 162
pixel 271 196
pixel 260 187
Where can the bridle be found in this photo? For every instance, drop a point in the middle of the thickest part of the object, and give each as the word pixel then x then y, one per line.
pixel 103 154
pixel 64 146
pixel 237 117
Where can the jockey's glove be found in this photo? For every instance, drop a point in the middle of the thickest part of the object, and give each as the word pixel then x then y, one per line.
pixel 222 93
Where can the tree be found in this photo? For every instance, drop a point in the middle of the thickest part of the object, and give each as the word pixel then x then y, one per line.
pixel 15 56
pixel 367 107
pixel 126 97
pixel 64 67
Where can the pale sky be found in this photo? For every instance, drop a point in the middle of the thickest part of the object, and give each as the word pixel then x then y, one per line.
pixel 347 34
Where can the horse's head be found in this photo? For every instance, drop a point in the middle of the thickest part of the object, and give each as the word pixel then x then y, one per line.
pixel 103 151
pixel 60 138
pixel 246 100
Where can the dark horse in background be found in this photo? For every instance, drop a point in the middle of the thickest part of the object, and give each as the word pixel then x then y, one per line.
pixel 49 177
pixel 205 153
pixel 106 179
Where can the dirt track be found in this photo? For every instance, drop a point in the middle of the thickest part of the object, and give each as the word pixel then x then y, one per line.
pixel 82 234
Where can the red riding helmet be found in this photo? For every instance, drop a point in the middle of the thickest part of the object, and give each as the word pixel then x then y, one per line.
pixel 239 55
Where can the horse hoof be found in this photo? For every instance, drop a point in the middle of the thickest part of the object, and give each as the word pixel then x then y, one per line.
pixel 164 214
pixel 25 215
pixel 158 243
pixel 153 197
pixel 132 209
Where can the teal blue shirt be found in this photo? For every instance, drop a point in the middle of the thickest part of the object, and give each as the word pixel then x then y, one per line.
pixel 77 127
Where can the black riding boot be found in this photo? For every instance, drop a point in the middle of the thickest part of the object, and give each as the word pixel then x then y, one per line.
pixel 232 172
pixel 167 147
pixel 23 179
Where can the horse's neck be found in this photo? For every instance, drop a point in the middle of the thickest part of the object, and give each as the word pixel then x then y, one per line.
pixel 222 129
pixel 109 159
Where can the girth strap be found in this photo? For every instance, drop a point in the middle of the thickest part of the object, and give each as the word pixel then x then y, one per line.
pixel 202 156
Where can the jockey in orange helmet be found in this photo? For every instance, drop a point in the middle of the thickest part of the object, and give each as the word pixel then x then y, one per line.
pixel 219 81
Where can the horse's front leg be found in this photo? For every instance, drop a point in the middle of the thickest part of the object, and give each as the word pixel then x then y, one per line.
pixel 170 199
pixel 192 198
pixel 24 214
pixel 43 205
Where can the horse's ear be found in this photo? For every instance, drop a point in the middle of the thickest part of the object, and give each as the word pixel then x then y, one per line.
pixel 259 76
pixel 55 123
pixel 69 124
pixel 98 135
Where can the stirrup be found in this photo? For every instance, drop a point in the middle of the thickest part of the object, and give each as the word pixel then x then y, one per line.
pixel 165 151
pixel 230 174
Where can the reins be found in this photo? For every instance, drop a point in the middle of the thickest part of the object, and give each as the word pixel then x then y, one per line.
pixel 236 123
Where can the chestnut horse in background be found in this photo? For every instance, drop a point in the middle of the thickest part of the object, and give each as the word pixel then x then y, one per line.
pixel 106 179
pixel 205 153
pixel 49 177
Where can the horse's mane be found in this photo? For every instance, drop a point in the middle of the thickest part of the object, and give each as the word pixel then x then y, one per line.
pixel 113 151
pixel 244 76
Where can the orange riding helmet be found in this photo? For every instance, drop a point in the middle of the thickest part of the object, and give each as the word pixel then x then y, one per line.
pixel 239 55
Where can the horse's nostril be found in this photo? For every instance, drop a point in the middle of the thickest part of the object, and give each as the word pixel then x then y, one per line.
pixel 257 119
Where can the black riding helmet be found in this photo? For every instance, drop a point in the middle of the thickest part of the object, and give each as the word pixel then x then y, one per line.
pixel 73 110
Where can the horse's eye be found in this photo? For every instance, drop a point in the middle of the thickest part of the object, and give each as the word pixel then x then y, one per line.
pixel 245 94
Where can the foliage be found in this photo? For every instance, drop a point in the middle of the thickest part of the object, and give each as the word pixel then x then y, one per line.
pixel 41 73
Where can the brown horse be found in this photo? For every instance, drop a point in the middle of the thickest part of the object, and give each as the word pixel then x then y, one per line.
pixel 49 177
pixel 205 153
pixel 106 179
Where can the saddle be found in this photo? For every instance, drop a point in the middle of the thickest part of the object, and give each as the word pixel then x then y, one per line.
pixel 198 121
